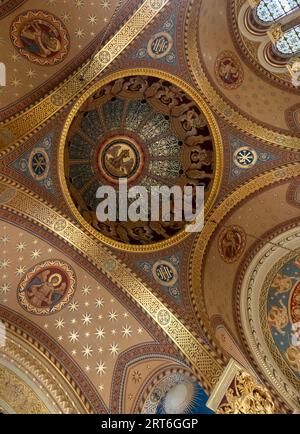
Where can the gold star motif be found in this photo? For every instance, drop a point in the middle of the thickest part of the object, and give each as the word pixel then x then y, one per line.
pixel 114 349
pixel 73 336
pixel 136 376
pixel 112 316
pixel 86 289
pixel 73 306
pixel 126 331
pixel 105 4
pixel 93 19
pixel 87 351
pixel 20 247
pixel 100 333
pixel 5 264
pixel 80 33
pixel 5 288
pixel 99 302
pixel 59 323
pixel 4 240
pixel 35 254
pixel 15 82
pixel 20 271
pixel 100 368
pixel 86 319
pixel 30 73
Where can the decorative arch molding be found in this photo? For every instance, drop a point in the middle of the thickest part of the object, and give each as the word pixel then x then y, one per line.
pixel 46 359
pixel 16 395
pixel 8 6
pixel 202 243
pixel 208 361
pixel 217 100
pixel 163 381
pixel 268 36
pixel 259 270
pixel 131 358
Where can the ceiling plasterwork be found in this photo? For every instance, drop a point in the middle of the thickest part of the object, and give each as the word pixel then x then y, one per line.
pixel 124 318
pixel 174 112
pixel 197 352
pixel 199 266
pixel 14 130
pixel 44 43
pixel 221 99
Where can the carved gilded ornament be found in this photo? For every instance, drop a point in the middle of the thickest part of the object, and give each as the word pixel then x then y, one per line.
pixel 59 390
pixel 269 312
pixel 216 217
pixel 18 395
pixel 237 392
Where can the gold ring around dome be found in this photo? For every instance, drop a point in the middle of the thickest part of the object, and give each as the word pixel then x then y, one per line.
pixel 218 154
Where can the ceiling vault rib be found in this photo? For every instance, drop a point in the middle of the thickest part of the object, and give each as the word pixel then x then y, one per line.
pixel 207 363
pixel 20 127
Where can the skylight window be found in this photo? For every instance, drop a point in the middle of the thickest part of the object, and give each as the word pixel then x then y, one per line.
pixel 290 41
pixel 270 11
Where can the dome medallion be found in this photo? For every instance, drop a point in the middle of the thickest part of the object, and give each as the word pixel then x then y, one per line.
pixel 149 131
pixel 120 157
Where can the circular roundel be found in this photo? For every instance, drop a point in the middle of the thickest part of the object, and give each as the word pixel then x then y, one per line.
pixel 165 273
pixel 40 37
pixel 245 158
pixel 228 70
pixel 39 164
pixel 152 131
pixel 120 157
pixel 160 45
pixel 47 287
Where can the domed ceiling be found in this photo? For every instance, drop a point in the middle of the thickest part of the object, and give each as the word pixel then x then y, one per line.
pixel 143 317
pixel 227 76
pixel 148 131
pixel 43 43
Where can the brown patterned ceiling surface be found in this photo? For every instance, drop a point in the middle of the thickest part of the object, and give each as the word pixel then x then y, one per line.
pixel 78 28
pixel 109 318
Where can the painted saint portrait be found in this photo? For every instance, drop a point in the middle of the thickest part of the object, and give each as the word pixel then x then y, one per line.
pixel 47 288
pixel 231 244
pixel 228 70
pixel 283 315
pixel 40 37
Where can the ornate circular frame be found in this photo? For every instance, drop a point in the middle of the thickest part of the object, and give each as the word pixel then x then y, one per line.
pixel 218 148
pixel 251 322
pixel 218 101
pixel 201 243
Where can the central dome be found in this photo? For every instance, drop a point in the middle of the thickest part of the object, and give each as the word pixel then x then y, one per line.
pixel 146 130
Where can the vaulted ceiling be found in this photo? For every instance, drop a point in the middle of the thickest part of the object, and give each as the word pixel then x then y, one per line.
pixel 128 317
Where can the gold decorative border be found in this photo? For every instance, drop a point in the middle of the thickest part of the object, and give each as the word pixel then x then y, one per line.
pixel 201 243
pixel 51 372
pixel 225 381
pixel 27 395
pixel 278 357
pixel 18 355
pixel 218 150
pixel 265 354
pixel 22 126
pixel 215 99
pixel 207 363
